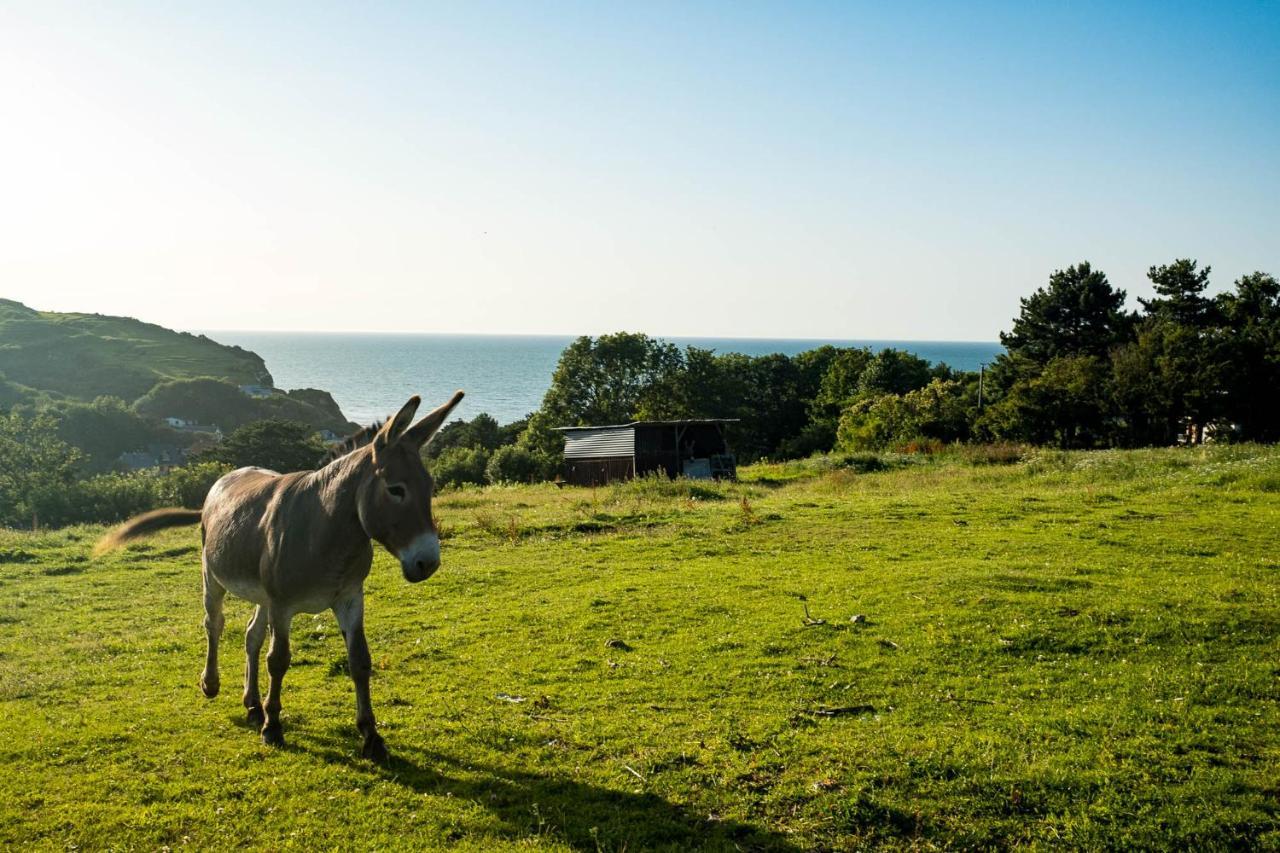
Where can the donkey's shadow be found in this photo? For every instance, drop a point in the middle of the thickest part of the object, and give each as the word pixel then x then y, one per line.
pixel 584 816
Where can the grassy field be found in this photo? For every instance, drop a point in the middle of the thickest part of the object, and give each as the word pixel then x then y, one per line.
pixel 1075 649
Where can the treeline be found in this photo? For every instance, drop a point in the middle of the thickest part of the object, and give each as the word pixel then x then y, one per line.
pixel 1079 370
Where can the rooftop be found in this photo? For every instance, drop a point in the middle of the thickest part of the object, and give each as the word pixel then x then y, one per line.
pixel 687 422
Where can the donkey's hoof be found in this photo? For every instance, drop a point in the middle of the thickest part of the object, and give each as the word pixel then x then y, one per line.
pixel 375 749
pixel 255 716
pixel 273 735
pixel 209 686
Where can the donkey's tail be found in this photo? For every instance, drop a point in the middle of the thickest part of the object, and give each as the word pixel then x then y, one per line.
pixel 145 525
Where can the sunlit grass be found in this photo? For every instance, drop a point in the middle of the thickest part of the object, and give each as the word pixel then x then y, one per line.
pixel 1061 648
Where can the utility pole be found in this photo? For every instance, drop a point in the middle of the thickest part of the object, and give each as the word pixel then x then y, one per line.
pixel 982 373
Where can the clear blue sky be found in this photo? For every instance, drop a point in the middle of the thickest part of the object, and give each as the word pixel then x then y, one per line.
pixel 781 170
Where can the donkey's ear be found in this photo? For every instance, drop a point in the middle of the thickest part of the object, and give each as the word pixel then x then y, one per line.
pixel 421 432
pixel 395 426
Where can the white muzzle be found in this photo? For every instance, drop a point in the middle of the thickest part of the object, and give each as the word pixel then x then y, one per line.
pixel 420 559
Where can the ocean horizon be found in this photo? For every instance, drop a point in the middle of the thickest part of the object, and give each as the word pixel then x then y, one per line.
pixel 371 374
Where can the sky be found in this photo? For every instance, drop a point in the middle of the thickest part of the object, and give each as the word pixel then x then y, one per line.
pixel 816 170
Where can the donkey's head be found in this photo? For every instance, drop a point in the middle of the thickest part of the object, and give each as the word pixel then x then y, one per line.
pixel 395 499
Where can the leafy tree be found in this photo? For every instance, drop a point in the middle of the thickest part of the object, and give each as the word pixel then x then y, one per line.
pixel 278 445
pixel 893 371
pixel 705 386
pixel 611 379
pixel 36 468
pixel 840 384
pixel 481 431
pixel 1068 403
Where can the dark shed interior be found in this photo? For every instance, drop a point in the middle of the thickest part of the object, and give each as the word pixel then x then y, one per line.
pixel 691 448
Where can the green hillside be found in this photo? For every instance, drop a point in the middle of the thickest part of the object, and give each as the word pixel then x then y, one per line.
pixel 83 356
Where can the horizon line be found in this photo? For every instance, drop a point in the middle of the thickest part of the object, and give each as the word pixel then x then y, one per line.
pixel 390 333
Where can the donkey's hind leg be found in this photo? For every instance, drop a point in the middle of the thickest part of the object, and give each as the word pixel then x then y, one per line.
pixel 253 637
pixel 214 593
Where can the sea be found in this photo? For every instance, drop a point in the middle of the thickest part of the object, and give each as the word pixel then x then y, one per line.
pixel 371 375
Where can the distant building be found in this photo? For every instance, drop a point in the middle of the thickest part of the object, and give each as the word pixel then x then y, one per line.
pixel 328 436
pixel 136 460
pixel 697 449
pixel 192 426
pixel 159 456
pixel 259 391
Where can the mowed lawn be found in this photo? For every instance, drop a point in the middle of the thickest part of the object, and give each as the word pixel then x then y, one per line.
pixel 1077 649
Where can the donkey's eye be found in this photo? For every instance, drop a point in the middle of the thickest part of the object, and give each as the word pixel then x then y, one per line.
pixel 397 492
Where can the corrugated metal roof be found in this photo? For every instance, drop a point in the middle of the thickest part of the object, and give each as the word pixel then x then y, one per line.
pixel 690 422
pixel 599 442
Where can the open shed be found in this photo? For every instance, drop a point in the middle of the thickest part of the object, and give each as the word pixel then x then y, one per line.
pixel 594 455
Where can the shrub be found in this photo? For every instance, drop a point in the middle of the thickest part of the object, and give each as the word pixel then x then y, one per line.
pixel 935 413
pixel 514 464
pixel 457 466
pixel 187 486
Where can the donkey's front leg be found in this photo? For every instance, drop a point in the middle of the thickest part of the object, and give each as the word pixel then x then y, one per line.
pixel 214 593
pixel 277 666
pixel 350 615
pixel 253 637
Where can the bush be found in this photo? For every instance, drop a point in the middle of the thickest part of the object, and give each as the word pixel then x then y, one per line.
pixel 513 464
pixel 457 466
pixel 926 417
pixel 187 486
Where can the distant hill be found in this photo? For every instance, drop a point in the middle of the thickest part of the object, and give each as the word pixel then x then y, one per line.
pixel 83 356
pixel 62 361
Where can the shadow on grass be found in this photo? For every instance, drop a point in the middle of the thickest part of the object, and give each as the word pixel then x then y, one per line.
pixel 581 815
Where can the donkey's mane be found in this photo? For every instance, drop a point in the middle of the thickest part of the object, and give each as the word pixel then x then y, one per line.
pixel 355 441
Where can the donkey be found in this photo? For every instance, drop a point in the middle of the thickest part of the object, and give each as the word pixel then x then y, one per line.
pixel 301 543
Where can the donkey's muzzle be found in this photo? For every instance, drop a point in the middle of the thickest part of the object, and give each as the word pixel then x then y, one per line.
pixel 421 558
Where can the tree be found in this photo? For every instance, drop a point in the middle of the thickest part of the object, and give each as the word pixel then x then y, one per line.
pixel 1251 352
pixel 893 371
pixel 36 468
pixel 611 379
pixel 481 431
pixel 1068 403
pixel 278 445
pixel 1180 288
pixel 104 429
pixel 1079 313
pixel 840 384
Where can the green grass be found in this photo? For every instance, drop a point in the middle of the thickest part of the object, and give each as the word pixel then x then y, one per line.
pixel 1072 650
